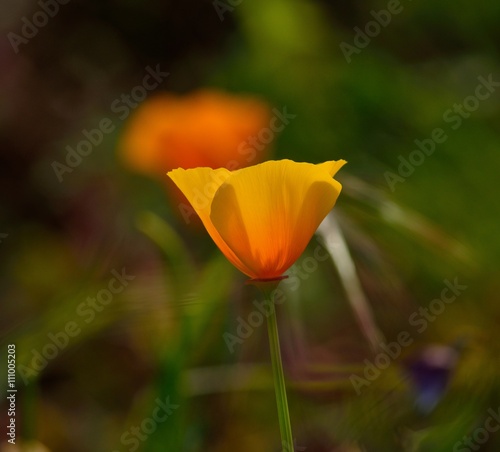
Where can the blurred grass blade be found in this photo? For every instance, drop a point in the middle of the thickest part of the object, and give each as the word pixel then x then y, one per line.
pixel 161 233
pixel 337 247
pixel 411 222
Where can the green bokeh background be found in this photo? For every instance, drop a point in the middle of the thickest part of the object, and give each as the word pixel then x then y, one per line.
pixel 162 337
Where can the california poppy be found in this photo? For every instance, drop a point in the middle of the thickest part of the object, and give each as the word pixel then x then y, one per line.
pixel 206 128
pixel 262 217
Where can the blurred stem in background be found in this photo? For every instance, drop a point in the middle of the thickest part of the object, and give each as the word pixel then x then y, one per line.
pixel 195 303
pixel 174 357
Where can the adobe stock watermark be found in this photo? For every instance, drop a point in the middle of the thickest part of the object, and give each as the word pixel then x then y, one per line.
pixel 3 236
pixel 454 116
pixel 31 27
pixel 419 319
pixel 480 435
pixel 85 313
pixel 122 107
pixel 264 308
pixel 223 7
pixel 251 147
pixel 372 29
pixel 136 434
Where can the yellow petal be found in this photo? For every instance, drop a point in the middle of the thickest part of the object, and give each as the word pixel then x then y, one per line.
pixel 332 166
pixel 199 186
pixel 267 213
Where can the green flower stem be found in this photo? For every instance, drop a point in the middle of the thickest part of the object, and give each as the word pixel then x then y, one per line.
pixel 267 289
pixel 279 381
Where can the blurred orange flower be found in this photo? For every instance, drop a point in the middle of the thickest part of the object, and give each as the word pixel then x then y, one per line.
pixel 262 217
pixel 206 128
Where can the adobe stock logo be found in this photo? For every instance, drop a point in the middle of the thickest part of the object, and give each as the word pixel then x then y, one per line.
pixel 122 106
pixel 222 8
pixel 58 340
pixel 454 117
pixel 136 434
pixel 298 273
pixel 372 29
pixel 480 435
pixel 30 28
pixel 420 319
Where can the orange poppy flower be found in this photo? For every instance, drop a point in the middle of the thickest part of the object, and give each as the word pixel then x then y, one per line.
pixel 262 217
pixel 206 128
